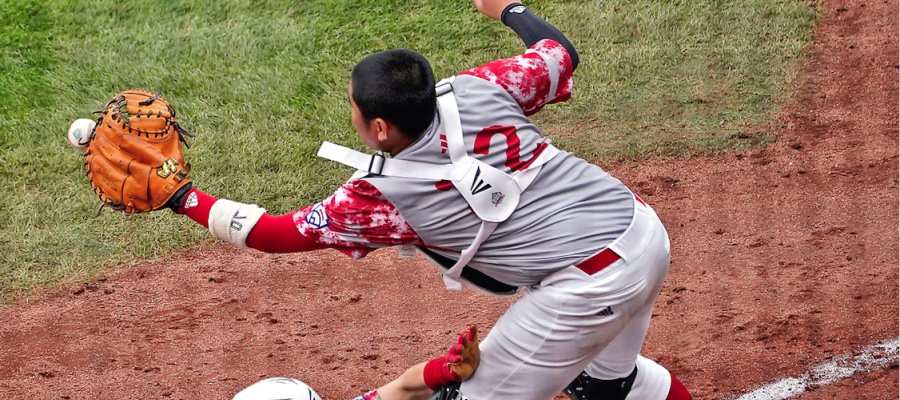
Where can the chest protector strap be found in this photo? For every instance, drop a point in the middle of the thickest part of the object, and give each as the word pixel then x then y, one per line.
pixel 491 193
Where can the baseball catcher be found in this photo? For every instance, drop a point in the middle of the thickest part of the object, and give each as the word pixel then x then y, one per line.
pixel 134 159
pixel 462 174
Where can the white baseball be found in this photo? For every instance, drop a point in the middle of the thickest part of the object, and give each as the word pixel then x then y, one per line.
pixel 80 133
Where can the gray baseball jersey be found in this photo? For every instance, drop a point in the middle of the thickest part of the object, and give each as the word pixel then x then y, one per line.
pixel 571 211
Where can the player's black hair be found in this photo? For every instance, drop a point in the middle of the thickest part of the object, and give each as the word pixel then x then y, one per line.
pixel 398 86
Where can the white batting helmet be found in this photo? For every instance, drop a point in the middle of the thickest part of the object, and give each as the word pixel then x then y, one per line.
pixel 278 389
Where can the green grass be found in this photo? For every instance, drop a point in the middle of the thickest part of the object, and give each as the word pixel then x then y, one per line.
pixel 263 83
pixel 678 78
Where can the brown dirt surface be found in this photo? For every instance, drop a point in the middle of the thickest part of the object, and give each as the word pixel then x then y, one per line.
pixel 783 257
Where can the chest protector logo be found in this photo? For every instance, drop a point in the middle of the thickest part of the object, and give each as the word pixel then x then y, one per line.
pixel 482 185
pixel 491 193
pixel 497 198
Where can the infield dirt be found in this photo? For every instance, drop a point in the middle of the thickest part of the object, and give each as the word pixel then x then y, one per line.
pixel 783 257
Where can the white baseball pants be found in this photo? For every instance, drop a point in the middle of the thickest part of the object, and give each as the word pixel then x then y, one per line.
pixel 572 322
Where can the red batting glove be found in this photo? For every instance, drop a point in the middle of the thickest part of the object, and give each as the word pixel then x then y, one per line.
pixel 438 374
pixel 458 364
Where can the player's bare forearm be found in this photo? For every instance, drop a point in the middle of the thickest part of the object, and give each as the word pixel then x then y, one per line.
pixel 493 8
pixel 408 386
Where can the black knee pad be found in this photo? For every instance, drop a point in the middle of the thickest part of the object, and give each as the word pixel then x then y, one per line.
pixel 586 387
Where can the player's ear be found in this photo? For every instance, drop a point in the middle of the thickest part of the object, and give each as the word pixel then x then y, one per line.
pixel 381 129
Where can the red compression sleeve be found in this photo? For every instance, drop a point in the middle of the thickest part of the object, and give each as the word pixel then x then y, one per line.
pixel 196 205
pixel 279 235
pixel 272 234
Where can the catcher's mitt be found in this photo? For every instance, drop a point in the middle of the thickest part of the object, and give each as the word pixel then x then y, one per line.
pixel 134 158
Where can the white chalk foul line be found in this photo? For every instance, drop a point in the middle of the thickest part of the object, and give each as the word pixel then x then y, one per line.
pixel 871 358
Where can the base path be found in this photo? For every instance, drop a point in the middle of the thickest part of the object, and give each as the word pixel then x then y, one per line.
pixel 784 259
pixel 872 358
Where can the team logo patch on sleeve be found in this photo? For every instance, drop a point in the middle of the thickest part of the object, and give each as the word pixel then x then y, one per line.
pixel 317 218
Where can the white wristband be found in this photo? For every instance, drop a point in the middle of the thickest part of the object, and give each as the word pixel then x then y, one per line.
pixel 232 221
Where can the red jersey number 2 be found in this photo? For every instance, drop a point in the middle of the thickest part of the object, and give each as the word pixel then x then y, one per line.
pixel 513 149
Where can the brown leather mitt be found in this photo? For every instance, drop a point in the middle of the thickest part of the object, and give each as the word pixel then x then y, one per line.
pixel 464 356
pixel 134 158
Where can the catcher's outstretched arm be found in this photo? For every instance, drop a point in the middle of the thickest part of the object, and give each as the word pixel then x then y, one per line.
pixel 355 220
pixel 270 234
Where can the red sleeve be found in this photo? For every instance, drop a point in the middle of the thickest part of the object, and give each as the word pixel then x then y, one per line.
pixel 541 76
pixel 278 234
pixel 358 218
pixel 272 234
pixel 355 220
